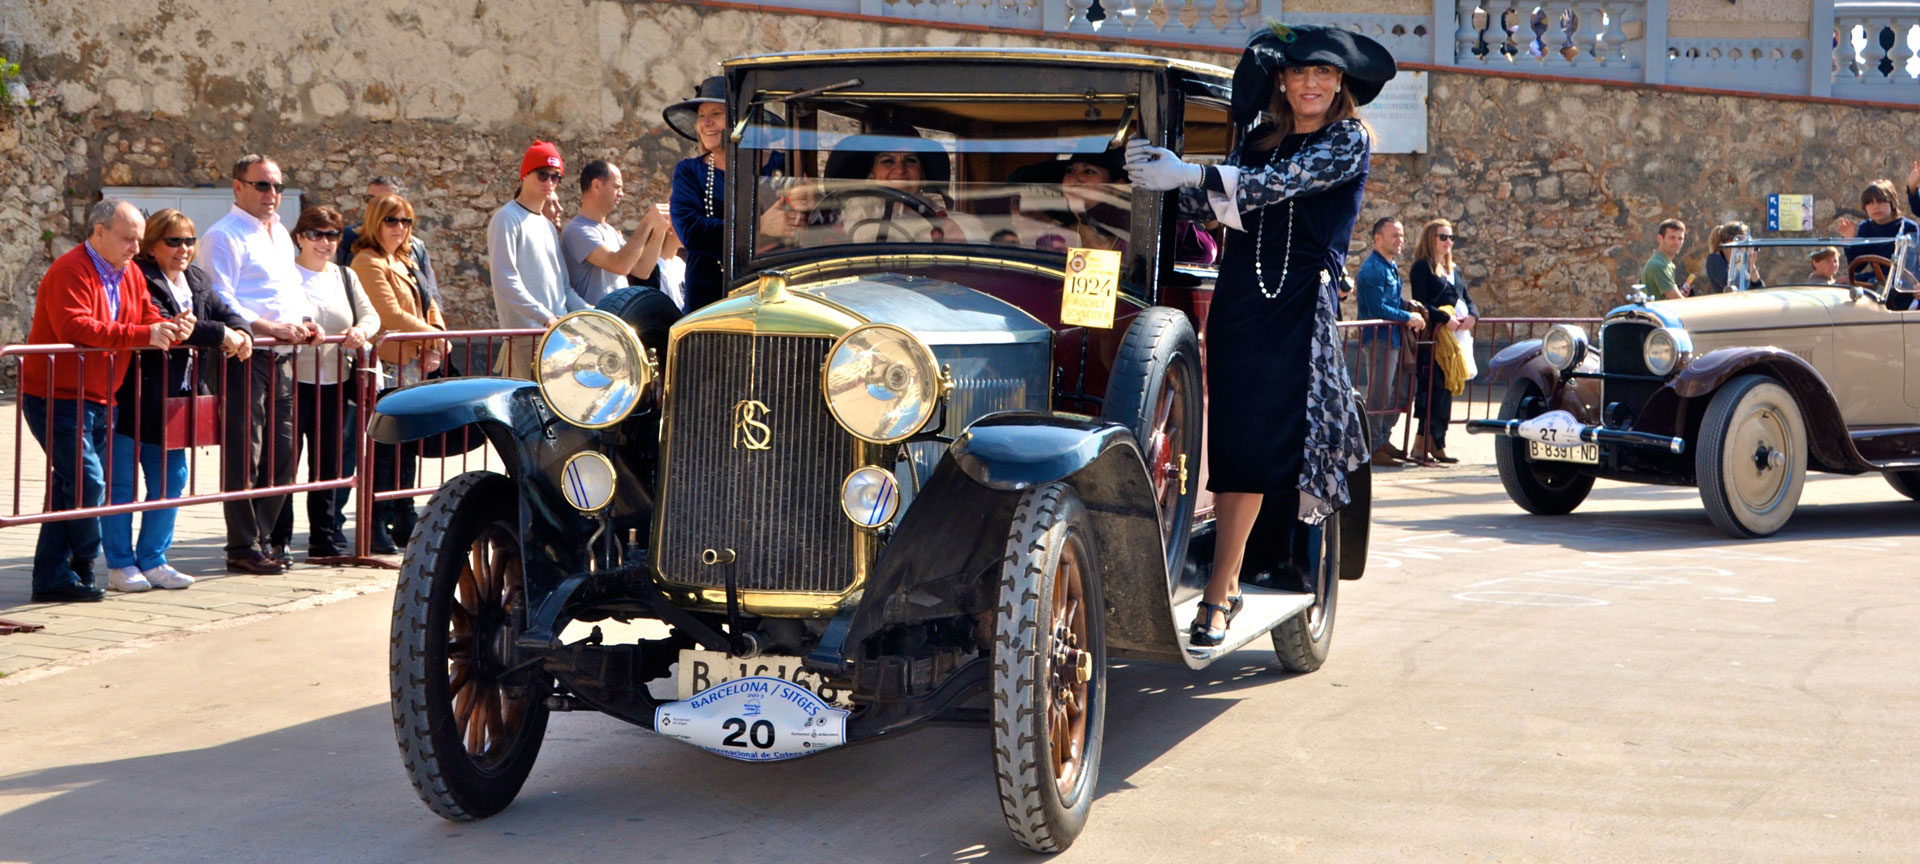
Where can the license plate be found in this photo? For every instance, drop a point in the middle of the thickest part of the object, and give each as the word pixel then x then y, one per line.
pixel 1586 454
pixel 702 670
pixel 754 719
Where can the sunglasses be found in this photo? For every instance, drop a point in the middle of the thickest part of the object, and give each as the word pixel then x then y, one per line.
pixel 263 187
pixel 548 176
pixel 317 235
pixel 177 242
pixel 1444 238
pixel 397 220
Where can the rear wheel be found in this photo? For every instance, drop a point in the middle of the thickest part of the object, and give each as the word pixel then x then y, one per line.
pixel 1302 642
pixel 469 724
pixel 1907 482
pixel 1049 670
pixel 1356 523
pixel 1752 457
pixel 1155 391
pixel 1543 488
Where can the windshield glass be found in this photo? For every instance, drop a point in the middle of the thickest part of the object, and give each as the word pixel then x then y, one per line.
pixel 1797 263
pixel 1034 174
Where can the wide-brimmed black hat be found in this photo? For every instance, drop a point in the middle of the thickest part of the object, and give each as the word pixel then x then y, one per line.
pixel 1114 162
pixel 681 116
pixel 1366 65
pixel 852 158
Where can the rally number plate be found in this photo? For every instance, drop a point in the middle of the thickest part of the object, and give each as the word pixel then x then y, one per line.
pixel 700 670
pixel 754 719
pixel 1586 454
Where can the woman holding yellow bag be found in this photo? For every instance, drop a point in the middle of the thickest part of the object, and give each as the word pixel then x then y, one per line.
pixel 1436 284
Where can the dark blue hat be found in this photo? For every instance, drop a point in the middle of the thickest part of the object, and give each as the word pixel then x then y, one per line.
pixel 1366 65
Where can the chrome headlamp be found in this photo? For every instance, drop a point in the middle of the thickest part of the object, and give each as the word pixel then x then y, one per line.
pixel 881 383
pixel 1564 346
pixel 592 369
pixel 1666 349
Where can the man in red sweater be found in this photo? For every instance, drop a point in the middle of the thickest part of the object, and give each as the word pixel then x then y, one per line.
pixel 92 297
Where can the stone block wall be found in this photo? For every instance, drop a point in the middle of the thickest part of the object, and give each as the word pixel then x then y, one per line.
pixel 1555 185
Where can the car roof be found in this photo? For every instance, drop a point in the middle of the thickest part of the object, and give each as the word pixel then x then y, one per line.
pixel 1043 55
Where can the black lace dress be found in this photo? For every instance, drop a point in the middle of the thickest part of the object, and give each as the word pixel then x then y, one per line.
pixel 1279 420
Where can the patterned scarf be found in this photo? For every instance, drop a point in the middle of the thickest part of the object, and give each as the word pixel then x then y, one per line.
pixel 1335 444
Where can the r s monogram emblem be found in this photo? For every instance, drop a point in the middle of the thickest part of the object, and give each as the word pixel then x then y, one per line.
pixel 750 428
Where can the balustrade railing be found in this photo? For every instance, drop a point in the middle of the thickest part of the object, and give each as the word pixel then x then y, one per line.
pixel 1868 51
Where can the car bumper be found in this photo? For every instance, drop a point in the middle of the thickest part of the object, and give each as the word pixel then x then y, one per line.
pixel 1584 434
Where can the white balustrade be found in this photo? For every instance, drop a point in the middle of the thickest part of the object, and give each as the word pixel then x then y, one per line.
pixel 1874 51
pixel 1581 38
pixel 1753 65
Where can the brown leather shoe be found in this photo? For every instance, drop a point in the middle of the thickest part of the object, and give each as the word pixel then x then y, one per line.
pixel 255 562
pixel 1383 459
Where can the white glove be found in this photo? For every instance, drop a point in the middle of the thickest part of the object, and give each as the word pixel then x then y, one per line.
pixel 1156 169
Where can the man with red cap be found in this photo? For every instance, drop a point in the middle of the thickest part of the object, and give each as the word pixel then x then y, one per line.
pixel 529 275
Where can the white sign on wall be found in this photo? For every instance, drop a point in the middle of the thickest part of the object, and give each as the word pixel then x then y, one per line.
pixel 205 205
pixel 1399 114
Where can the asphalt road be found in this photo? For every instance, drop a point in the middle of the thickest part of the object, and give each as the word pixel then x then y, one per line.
pixel 1620 685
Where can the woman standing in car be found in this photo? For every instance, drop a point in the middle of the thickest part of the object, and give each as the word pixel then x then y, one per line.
pixel 698 206
pixel 1289 195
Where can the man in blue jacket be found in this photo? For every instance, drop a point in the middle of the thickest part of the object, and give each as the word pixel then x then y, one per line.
pixel 1379 367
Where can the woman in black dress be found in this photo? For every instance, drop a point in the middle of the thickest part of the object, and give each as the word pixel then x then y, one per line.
pixel 1435 283
pixel 1289 193
pixel 698 207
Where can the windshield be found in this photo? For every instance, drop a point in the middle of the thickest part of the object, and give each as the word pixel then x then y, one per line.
pixel 1033 174
pixel 1796 263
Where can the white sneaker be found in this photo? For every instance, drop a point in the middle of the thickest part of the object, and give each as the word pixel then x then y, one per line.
pixel 164 576
pixel 128 579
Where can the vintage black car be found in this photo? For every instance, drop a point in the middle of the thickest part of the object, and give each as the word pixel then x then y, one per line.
pixel 1740 393
pixel 884 481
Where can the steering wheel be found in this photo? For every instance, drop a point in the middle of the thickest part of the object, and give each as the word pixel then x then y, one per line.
pixel 1880 265
pixel 835 201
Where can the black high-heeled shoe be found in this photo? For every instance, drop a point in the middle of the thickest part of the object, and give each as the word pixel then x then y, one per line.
pixel 1202 633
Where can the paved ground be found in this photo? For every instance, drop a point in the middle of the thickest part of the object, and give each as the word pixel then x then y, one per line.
pixel 1620 685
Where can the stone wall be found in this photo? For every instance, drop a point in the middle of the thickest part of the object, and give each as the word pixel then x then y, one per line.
pixel 1555 185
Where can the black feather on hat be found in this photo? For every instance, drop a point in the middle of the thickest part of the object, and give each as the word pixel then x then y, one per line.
pixel 1366 65
pixel 681 116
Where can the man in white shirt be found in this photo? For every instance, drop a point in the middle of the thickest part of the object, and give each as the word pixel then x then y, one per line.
pixel 248 256
pixel 598 261
pixel 530 284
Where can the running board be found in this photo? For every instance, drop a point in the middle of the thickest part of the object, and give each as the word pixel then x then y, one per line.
pixel 1265 609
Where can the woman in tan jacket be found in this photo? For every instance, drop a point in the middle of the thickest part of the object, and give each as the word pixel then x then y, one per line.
pixel 382 259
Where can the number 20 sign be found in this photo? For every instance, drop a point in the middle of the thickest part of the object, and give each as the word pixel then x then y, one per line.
pixel 756 719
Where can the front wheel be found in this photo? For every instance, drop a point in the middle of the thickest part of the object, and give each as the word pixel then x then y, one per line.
pixel 1049 670
pixel 469 726
pixel 1543 488
pixel 1752 458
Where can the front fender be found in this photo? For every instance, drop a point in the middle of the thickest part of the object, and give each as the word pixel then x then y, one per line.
pixel 1827 435
pixel 1522 361
pixel 432 407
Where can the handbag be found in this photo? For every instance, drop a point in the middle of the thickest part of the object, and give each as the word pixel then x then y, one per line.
pixel 190 421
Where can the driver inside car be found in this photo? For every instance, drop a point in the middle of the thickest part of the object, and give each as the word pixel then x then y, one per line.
pixel 889 195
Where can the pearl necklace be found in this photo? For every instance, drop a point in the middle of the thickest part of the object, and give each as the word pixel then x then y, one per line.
pixel 707 198
pixel 1260 245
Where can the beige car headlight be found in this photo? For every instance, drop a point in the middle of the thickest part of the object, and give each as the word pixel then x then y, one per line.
pixel 881 383
pixel 1665 349
pixel 592 369
pixel 1564 346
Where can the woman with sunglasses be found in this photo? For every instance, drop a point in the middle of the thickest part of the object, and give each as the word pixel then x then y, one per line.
pixel 383 260
pixel 183 292
pixel 324 395
pixel 1436 283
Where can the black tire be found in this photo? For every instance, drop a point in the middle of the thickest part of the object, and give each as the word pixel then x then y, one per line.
pixel 1541 488
pixel 472 516
pixel 1155 390
pixel 1301 643
pixel 649 312
pixel 1044 710
pixel 1356 523
pixel 1751 460
pixel 1905 482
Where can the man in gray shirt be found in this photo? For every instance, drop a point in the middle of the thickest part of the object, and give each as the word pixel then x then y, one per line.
pixel 529 276
pixel 597 261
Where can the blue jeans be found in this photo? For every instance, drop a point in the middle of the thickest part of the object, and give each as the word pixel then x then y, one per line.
pixel 78 426
pixel 166 472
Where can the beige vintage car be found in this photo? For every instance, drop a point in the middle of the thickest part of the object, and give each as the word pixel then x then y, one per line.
pixel 1739 393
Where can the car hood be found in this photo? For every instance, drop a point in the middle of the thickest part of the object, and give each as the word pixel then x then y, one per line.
pixel 1745 310
pixel 937 311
